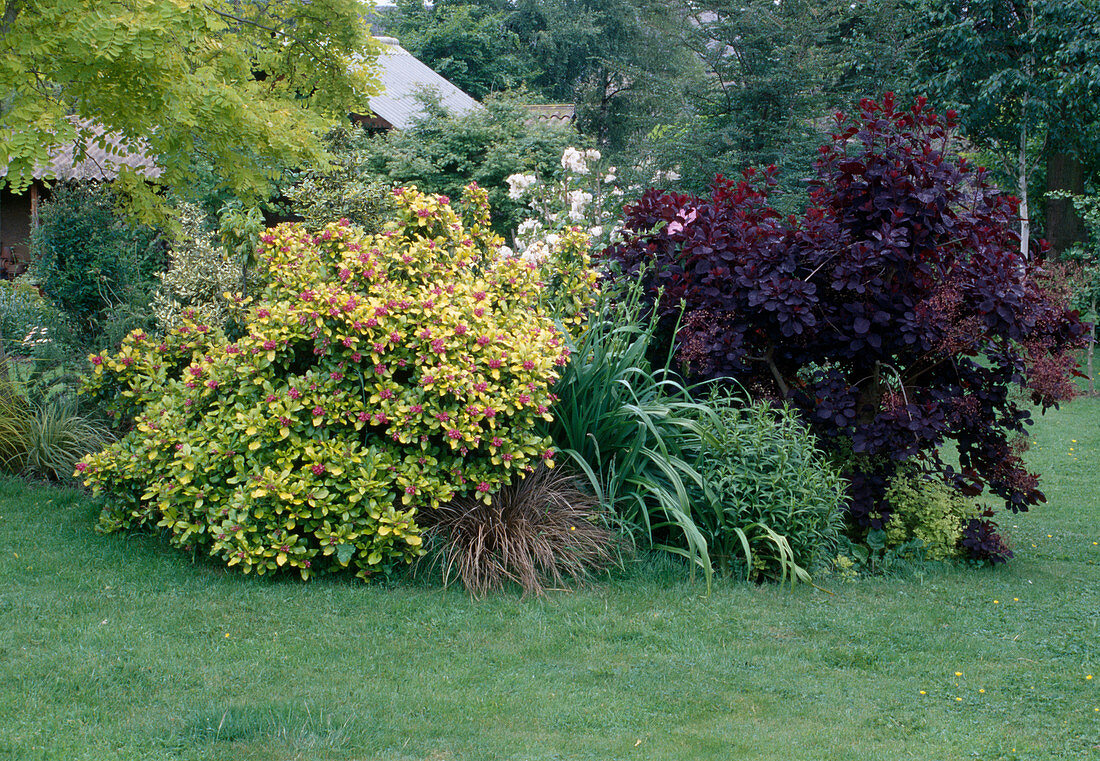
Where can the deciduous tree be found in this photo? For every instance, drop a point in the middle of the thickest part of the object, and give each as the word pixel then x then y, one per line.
pixel 247 84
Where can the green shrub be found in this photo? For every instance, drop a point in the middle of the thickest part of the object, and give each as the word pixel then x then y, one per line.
pixel 927 516
pixel 442 152
pixel 29 325
pixel 341 191
pixel 376 376
pixel 769 480
pixel 200 273
pixel 96 267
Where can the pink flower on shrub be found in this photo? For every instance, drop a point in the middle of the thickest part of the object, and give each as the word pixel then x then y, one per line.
pixel 438 346
pixel 489 412
pixel 528 365
pixel 96 359
pixel 318 411
pixel 495 364
pixel 363 417
pixel 294 393
pixel 386 393
pixel 211 384
pixel 497 442
pixel 416 409
pixel 269 345
pixel 356 357
pixel 523 398
pixel 480 386
pixel 454 433
pixel 262 313
pixel 318 469
pixel 483 487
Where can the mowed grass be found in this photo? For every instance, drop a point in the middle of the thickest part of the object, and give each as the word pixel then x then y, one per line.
pixel 119 648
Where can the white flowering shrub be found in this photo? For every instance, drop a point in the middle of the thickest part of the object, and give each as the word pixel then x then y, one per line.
pixel 582 197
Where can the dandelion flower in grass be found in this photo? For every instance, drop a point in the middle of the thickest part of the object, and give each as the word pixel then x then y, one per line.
pixel 996 602
pixel 959 700
pixel 958 673
pixel 981 692
pixel 1088 677
pixel 1015 599
pixel 922 692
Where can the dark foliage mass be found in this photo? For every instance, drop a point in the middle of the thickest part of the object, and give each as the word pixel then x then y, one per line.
pixel 896 313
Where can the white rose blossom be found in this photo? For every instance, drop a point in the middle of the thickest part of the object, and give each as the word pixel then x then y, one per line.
pixel 574 161
pixel 519 184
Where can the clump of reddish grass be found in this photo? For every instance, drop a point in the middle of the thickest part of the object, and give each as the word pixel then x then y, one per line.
pixel 537 533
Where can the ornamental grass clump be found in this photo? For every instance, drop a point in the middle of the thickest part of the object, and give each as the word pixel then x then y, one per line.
pixel 535 533
pixel 373 377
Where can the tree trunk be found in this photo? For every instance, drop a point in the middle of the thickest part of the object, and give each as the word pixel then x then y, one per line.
pixel 1064 224
pixel 1092 346
pixel 1025 218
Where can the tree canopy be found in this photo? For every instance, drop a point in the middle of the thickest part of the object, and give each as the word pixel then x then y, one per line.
pixel 243 85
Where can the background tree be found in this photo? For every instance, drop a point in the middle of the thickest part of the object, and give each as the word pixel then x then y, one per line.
pixel 243 85
pixel 1025 74
pixel 467 43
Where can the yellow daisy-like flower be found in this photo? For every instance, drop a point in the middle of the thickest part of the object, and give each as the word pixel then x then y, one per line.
pixel 958 673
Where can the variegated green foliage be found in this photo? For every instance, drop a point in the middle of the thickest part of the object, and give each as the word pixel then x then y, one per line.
pixel 200 274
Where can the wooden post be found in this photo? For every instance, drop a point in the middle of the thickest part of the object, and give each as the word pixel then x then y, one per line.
pixel 34 205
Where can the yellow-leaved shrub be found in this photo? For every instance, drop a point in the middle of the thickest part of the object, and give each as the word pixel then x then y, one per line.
pixel 373 376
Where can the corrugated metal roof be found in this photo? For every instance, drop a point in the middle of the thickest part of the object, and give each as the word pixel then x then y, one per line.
pixel 104 153
pixel 553 114
pixel 402 77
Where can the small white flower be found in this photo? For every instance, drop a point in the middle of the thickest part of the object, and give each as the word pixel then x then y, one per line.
pixel 573 161
pixel 528 226
pixel 519 184
pixel 552 239
pixel 592 154
pixel 506 252
pixel 596 231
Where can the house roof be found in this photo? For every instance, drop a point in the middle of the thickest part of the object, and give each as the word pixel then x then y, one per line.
pixel 104 154
pixel 553 114
pixel 403 77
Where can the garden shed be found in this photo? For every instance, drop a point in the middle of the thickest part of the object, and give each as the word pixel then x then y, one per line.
pixel 405 80
pixel 95 156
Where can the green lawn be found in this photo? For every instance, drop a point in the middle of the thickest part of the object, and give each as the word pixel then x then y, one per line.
pixel 119 648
